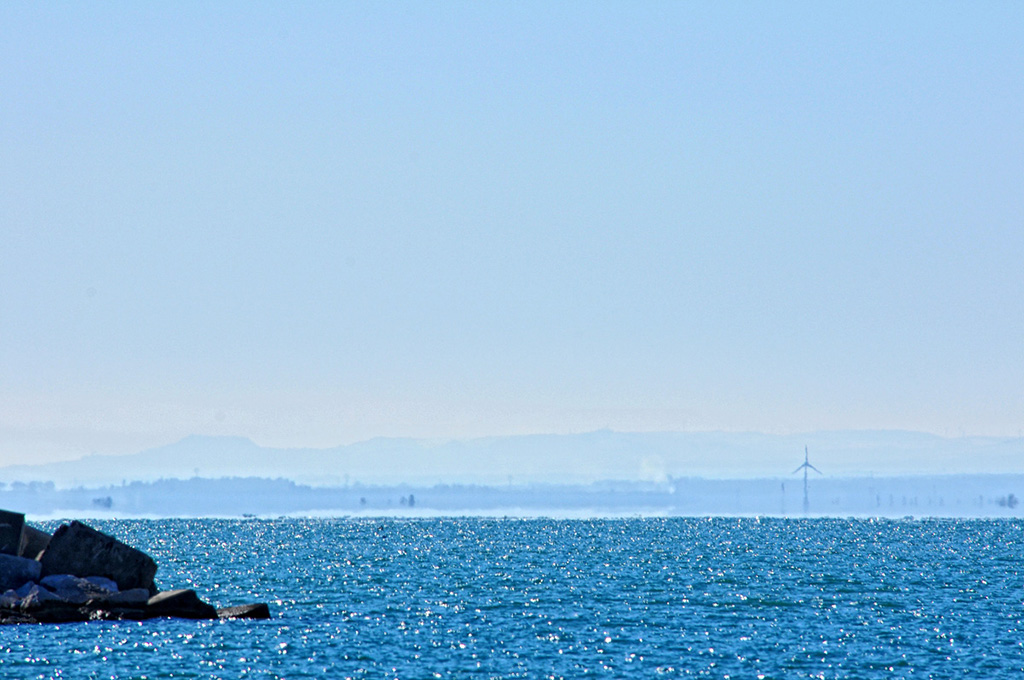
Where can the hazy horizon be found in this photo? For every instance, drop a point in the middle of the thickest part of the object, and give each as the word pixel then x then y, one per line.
pixel 317 224
pixel 56 446
pixel 579 459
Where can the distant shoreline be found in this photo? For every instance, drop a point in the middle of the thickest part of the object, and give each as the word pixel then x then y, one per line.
pixel 919 496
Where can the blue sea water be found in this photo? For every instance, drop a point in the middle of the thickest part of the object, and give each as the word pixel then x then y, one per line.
pixel 492 598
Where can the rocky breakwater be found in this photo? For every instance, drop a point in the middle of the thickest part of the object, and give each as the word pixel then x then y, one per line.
pixel 81 574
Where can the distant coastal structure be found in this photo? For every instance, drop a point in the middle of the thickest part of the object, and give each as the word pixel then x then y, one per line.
pixel 805 466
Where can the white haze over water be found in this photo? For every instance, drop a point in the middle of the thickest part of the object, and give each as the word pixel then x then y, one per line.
pixel 315 225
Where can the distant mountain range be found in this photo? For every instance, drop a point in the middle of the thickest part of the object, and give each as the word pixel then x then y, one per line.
pixel 547 459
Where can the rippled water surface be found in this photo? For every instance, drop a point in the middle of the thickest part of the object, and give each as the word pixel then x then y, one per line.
pixel 741 598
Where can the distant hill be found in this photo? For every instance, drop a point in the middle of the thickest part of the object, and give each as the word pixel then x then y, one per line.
pixel 562 459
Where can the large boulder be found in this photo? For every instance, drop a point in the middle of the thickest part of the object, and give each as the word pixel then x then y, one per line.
pixel 11 524
pixel 33 542
pixel 80 550
pixel 17 571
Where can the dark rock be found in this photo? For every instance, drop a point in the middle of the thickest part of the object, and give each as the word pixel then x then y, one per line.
pixel 17 571
pixel 101 582
pixel 56 611
pixel 79 590
pixel 24 590
pixel 35 596
pixel 11 524
pixel 108 613
pixel 33 542
pixel 245 611
pixel 80 550
pixel 136 597
pixel 184 604
pixel 9 599
pixel 128 613
pixel 12 616
pixel 80 574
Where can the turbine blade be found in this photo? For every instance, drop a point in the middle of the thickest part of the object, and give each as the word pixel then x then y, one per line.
pixel 814 468
pixel 802 466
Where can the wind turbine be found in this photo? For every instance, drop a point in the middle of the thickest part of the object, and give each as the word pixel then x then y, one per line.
pixel 805 466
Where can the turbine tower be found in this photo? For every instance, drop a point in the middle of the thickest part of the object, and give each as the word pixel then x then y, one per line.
pixel 805 466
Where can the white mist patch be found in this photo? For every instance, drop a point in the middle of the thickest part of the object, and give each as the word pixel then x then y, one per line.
pixel 653 469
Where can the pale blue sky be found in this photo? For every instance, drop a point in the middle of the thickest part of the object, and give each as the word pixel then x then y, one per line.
pixel 319 223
